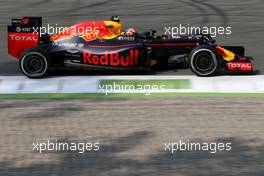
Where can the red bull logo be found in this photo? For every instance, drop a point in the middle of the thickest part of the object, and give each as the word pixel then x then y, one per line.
pixel 111 58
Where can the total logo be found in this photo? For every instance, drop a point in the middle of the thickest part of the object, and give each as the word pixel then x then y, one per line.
pixel 111 58
pixel 241 66
pixel 23 38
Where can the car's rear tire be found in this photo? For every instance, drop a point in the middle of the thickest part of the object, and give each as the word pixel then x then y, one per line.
pixel 203 61
pixel 34 63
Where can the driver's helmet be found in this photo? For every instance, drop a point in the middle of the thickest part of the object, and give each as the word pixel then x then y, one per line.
pixel 131 31
pixel 115 19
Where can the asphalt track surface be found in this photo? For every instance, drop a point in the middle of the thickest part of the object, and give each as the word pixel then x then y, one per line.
pixel 132 134
pixel 244 16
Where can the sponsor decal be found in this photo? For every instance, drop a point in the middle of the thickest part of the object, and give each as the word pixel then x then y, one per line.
pixel 19 42
pixel 24 29
pixel 239 66
pixel 68 44
pixel 111 58
pixel 25 20
pixel 23 37
pixel 72 55
pixel 129 38
pixel 18 29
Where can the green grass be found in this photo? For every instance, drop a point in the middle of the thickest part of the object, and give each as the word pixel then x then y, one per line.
pixel 125 95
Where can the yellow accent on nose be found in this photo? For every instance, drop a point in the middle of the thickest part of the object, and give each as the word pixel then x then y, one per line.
pixel 228 55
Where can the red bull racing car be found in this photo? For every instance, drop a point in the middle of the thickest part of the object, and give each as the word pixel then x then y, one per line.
pixel 103 45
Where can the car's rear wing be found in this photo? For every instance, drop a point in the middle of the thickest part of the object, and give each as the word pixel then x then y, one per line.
pixel 23 34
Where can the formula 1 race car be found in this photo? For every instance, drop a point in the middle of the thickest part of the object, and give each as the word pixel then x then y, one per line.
pixel 103 45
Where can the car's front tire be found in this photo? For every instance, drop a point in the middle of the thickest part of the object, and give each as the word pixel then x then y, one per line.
pixel 34 63
pixel 203 61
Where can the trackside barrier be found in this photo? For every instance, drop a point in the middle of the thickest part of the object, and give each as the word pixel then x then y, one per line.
pixel 132 84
